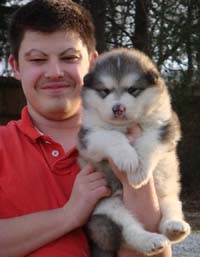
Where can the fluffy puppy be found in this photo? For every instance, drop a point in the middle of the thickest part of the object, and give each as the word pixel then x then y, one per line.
pixel 124 87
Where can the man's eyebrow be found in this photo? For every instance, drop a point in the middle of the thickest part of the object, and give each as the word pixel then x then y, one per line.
pixel 34 51
pixel 70 50
pixel 66 51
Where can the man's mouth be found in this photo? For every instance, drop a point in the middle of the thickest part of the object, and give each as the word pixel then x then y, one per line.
pixel 54 86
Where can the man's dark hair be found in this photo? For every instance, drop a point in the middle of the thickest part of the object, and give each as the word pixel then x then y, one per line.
pixel 49 16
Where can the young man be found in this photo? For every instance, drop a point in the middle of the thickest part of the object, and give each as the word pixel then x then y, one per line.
pixel 44 198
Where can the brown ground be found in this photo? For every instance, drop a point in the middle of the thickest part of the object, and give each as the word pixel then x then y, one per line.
pixel 191 207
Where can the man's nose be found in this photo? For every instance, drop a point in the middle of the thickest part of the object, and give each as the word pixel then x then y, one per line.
pixel 54 70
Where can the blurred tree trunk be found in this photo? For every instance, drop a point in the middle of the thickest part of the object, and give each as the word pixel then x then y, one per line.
pixel 98 10
pixel 141 35
pixel 197 42
pixel 190 69
pixel 161 37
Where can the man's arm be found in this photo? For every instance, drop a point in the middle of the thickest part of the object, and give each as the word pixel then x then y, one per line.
pixel 146 208
pixel 143 202
pixel 20 236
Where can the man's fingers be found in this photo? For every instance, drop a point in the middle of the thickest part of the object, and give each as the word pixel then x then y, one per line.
pixel 87 169
pixel 98 183
pixel 134 132
pixel 103 191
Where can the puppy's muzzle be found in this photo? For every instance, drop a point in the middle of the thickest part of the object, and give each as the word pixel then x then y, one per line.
pixel 119 110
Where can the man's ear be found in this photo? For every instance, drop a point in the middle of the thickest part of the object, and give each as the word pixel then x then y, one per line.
pixel 15 67
pixel 93 56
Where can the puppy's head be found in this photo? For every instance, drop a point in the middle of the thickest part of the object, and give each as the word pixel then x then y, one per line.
pixel 124 86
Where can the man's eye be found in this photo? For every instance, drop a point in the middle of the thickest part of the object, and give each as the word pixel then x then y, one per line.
pixel 37 60
pixel 134 91
pixel 70 58
pixel 103 92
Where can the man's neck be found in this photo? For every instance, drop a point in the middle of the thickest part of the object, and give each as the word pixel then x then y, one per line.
pixel 62 131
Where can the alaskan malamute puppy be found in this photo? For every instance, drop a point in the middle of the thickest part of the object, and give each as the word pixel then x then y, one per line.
pixel 124 87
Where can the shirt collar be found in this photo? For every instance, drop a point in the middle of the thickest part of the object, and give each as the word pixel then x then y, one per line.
pixel 27 127
pixel 66 163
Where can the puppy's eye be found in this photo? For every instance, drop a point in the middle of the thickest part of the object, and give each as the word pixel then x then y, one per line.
pixel 103 92
pixel 134 91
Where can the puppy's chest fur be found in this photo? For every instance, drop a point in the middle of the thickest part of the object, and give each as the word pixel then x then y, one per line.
pixel 91 125
pixel 166 134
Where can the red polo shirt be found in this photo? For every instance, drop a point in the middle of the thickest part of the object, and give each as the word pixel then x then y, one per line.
pixel 36 175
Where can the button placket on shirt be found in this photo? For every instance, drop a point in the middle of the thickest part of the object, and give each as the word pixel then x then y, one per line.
pixel 52 150
pixel 55 153
pixel 60 162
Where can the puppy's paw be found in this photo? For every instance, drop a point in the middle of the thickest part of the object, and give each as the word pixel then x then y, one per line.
pixel 154 244
pixel 125 158
pixel 139 177
pixel 175 230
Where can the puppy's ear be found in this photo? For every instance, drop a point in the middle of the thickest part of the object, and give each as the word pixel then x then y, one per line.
pixel 88 79
pixel 152 77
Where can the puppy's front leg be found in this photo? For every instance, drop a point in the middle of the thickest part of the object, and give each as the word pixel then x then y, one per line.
pixel 172 224
pixel 103 144
pixel 149 150
pixel 167 181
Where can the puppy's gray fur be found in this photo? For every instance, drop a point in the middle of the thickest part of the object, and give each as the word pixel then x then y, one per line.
pixel 125 88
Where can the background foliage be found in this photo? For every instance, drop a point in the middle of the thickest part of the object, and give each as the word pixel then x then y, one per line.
pixel 169 32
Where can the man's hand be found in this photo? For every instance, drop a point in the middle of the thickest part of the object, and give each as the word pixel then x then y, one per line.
pixel 134 132
pixel 89 187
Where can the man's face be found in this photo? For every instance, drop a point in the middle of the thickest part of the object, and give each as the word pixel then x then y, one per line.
pixel 51 68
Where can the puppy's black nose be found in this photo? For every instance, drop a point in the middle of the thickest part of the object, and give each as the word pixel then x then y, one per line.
pixel 119 109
